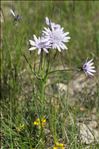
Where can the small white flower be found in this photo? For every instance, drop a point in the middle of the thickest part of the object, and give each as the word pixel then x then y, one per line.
pixel 17 17
pixel 57 37
pixel 89 67
pixel 40 44
pixel 51 24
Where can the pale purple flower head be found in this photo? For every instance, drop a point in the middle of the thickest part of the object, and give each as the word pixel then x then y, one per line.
pixel 57 37
pixel 89 67
pixel 39 43
pixel 52 37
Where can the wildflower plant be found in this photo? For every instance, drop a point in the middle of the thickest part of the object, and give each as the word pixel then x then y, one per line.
pixel 44 87
pixel 53 37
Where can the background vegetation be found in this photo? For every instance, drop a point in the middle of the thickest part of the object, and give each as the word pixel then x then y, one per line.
pixel 20 100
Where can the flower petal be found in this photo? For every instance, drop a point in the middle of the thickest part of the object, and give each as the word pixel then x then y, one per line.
pixel 32 48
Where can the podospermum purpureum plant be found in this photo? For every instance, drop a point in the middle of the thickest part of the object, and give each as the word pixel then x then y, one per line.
pixel 53 37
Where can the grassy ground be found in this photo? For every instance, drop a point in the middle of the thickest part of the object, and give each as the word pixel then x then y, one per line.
pixel 21 93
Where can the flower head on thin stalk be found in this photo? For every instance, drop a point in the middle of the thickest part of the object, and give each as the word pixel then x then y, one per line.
pixel 40 44
pixel 57 37
pixel 51 24
pixel 89 68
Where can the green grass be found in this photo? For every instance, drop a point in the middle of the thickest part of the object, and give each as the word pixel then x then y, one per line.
pixel 21 91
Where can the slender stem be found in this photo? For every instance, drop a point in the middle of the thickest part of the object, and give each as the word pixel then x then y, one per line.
pixel 42 94
pixel 42 98
pixel 54 71
pixel 31 68
pixel 47 66
pixel 41 61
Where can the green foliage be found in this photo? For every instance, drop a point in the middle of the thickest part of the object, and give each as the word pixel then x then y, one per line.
pixel 22 93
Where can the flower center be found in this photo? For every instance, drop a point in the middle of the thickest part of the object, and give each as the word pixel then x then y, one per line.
pixel 41 44
pixel 85 67
pixel 56 36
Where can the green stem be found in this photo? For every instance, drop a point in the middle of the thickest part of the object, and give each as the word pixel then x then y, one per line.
pixel 42 95
pixel 42 98
pixel 41 61
pixel 39 78
pixel 54 71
